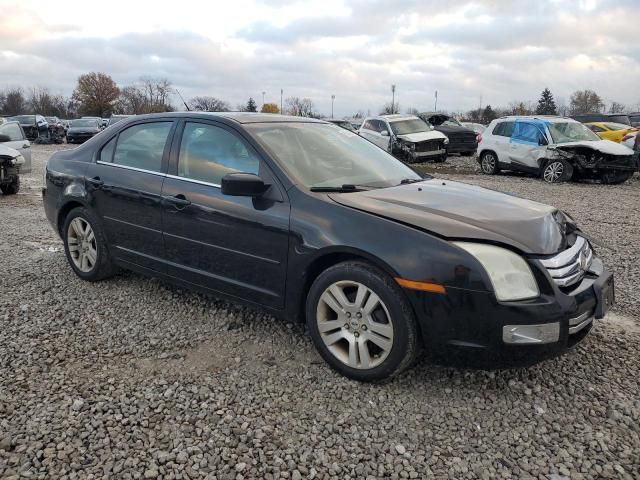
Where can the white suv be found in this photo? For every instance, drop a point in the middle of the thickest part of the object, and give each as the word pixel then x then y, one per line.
pixel 407 137
pixel 555 148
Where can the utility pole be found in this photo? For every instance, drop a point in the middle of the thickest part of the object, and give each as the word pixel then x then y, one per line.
pixel 263 98
pixel 333 97
pixel 281 93
pixel 435 105
pixel 393 98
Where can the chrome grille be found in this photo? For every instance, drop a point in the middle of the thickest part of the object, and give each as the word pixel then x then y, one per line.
pixel 568 267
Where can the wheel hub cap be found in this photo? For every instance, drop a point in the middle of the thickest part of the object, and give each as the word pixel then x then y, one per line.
pixel 355 324
pixel 82 245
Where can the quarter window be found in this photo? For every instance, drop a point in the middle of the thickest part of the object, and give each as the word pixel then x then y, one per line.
pixel 106 154
pixel 208 153
pixel 142 146
pixel 503 129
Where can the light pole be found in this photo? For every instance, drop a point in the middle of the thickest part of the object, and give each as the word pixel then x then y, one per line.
pixel 281 93
pixel 263 99
pixel 393 98
pixel 435 105
pixel 333 97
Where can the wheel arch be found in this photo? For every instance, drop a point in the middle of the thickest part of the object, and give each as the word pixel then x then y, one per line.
pixel 64 210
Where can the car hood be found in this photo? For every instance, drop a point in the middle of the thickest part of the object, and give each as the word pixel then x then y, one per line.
pixel 8 152
pixel 453 129
pixel 603 146
pixel 422 136
pixel 459 211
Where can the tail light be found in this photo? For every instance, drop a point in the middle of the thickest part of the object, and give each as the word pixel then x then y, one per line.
pixel 478 138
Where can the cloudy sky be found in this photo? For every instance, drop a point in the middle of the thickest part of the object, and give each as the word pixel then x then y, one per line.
pixel 354 49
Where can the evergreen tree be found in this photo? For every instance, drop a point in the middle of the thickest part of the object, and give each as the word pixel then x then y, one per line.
pixel 251 106
pixel 546 104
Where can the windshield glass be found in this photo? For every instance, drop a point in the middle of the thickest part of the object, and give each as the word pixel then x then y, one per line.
pixel 84 122
pixel 564 132
pixel 616 126
pixel 321 155
pixel 51 119
pixel 452 122
pixel 405 127
pixel 24 119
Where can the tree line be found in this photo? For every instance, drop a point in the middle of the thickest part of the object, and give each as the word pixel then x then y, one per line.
pixel 98 94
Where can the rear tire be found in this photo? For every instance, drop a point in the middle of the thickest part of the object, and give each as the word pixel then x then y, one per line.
pixel 361 322
pixel 11 188
pixel 615 178
pixel 489 163
pixel 85 245
pixel 557 171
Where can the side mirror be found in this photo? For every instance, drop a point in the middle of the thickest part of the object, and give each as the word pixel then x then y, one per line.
pixel 384 133
pixel 542 140
pixel 243 185
pixel 4 138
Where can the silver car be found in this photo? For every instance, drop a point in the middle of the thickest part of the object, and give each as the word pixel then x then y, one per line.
pixel 12 136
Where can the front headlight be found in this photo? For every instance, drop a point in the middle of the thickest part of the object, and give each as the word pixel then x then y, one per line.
pixel 510 275
pixel 19 160
pixel 446 141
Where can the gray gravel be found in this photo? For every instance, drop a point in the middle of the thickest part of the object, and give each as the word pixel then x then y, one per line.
pixel 132 378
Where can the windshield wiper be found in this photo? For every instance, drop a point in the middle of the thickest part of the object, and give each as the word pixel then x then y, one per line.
pixel 347 187
pixel 406 181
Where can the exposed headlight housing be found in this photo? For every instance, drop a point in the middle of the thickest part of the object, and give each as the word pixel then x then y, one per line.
pixel 510 274
pixel 446 141
pixel 19 160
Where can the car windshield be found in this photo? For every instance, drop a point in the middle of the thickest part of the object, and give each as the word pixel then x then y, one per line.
pixel 565 132
pixel 616 126
pixel 320 155
pixel 84 122
pixel 25 119
pixel 452 122
pixel 51 119
pixel 405 127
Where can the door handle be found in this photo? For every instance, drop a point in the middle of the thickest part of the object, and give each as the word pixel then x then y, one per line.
pixel 95 181
pixel 179 201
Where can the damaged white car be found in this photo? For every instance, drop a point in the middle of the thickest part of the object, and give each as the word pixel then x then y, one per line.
pixel 556 148
pixel 406 137
pixel 10 163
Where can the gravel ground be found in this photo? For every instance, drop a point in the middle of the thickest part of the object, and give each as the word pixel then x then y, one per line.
pixel 132 378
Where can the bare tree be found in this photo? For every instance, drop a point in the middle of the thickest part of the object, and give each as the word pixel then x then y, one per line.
pixel 412 111
pixel 156 93
pixel 41 101
pixel 389 109
pixel 585 101
pixel 209 104
pixel 131 101
pixel 300 107
pixel 14 102
pixel 617 107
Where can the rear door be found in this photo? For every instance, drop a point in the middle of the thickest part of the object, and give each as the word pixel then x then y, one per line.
pixel 18 142
pixel 234 245
pixel 125 186
pixel 500 140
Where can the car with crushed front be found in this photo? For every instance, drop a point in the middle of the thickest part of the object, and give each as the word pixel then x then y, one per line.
pixel 558 149
pixel 315 224
pixel 83 129
pixel 406 137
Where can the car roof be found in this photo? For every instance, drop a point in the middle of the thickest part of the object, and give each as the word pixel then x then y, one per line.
pixel 239 117
pixel 546 118
pixel 396 117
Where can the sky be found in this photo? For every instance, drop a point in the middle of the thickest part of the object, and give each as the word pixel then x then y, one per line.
pixel 472 52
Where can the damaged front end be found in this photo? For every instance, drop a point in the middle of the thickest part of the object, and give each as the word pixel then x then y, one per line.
pixel 593 163
pixel 420 151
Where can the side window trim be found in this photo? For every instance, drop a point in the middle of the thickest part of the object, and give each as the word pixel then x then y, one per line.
pixel 165 154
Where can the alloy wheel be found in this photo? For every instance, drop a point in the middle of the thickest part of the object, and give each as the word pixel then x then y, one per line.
pixel 82 244
pixel 553 172
pixel 488 163
pixel 354 324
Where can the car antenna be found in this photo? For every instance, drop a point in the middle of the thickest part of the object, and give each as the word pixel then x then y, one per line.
pixel 183 102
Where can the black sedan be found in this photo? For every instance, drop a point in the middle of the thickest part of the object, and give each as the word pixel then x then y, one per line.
pixel 462 140
pixel 83 129
pixel 314 223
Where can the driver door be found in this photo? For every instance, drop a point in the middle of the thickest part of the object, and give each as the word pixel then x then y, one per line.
pixel 525 149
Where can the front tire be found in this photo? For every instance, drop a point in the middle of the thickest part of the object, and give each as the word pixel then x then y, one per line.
pixel 361 323
pixel 11 188
pixel 557 171
pixel 489 163
pixel 85 245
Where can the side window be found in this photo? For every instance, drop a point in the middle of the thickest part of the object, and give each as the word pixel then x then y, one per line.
pixel 382 126
pixel 497 130
pixel 142 146
pixel 369 125
pixel 13 131
pixel 503 129
pixel 208 153
pixel 526 132
pixel 106 154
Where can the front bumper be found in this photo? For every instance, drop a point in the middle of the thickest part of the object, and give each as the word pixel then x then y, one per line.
pixel 432 153
pixel 472 328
